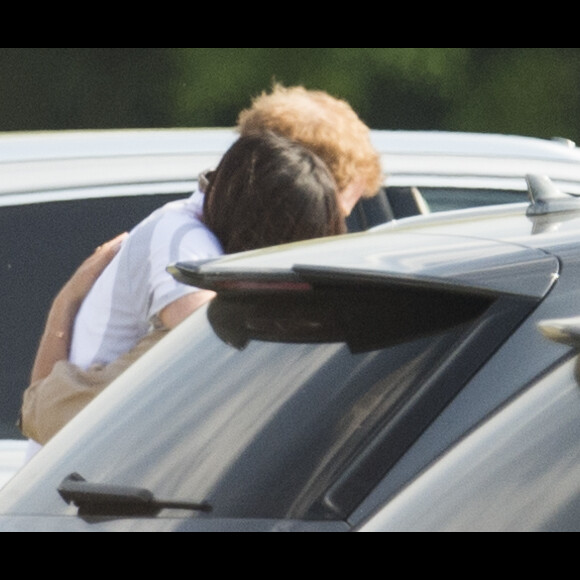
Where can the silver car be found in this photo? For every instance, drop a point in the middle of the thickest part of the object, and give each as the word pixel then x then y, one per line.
pixel 63 194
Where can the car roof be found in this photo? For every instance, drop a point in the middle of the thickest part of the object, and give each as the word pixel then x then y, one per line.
pixel 43 162
pixel 62 145
pixel 475 160
pixel 17 146
pixel 58 145
pixel 476 144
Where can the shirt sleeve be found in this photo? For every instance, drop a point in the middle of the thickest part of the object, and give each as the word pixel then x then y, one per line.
pixel 185 244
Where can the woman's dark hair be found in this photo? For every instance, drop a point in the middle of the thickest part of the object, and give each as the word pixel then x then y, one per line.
pixel 268 191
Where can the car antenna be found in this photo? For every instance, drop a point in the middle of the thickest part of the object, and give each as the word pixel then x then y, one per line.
pixel 547 199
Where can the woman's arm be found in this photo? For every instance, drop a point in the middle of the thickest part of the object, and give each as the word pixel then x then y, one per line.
pixel 56 340
pixel 174 314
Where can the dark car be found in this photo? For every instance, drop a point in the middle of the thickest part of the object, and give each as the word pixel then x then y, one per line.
pixel 326 377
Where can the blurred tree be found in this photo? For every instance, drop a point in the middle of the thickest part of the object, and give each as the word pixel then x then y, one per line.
pixel 390 87
pixel 76 88
pixel 532 91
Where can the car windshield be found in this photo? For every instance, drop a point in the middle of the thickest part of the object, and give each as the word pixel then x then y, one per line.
pixel 262 407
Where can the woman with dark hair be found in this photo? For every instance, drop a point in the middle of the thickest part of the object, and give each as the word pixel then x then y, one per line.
pixel 269 191
pixel 266 191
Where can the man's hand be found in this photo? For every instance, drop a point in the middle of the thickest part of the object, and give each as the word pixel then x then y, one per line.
pixel 57 338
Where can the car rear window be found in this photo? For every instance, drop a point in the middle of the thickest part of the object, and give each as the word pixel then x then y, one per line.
pixel 41 245
pixel 287 406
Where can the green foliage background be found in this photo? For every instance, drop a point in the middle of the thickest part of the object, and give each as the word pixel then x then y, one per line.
pixel 531 91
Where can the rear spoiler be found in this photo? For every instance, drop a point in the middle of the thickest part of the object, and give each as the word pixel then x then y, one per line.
pixel 207 275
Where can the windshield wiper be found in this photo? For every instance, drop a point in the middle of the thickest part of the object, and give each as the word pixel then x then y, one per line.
pixel 95 499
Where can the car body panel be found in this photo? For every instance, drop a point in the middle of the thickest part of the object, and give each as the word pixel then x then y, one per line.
pixel 524 357
pixel 517 472
pixel 12 455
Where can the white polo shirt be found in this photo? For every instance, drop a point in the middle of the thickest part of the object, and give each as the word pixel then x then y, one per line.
pixel 124 303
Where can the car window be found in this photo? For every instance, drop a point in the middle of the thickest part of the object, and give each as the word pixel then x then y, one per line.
pixel 447 199
pixel 286 407
pixel 395 203
pixel 40 247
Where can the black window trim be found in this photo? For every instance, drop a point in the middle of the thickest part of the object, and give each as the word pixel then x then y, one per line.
pixel 394 439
